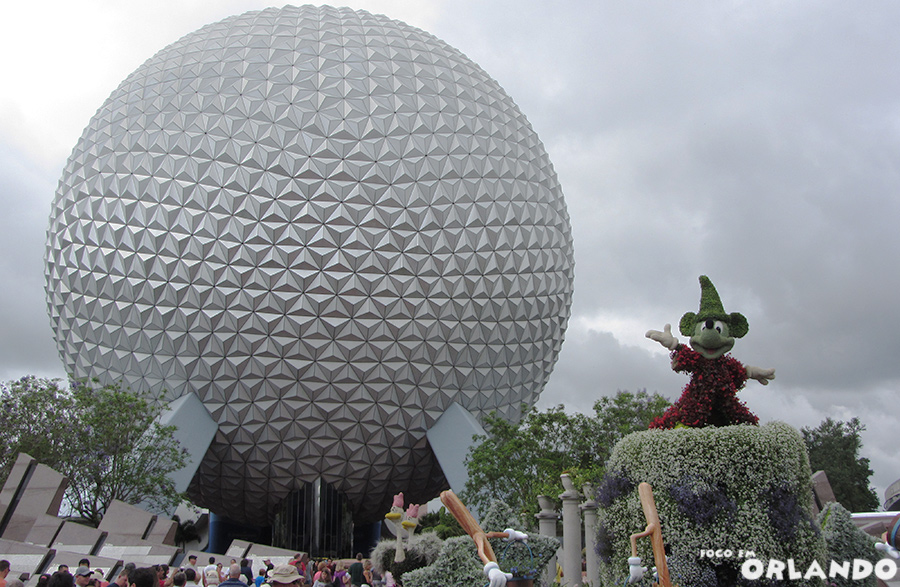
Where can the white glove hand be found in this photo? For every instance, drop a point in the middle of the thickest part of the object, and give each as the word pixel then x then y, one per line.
pixel 635 570
pixel 515 535
pixel 761 375
pixel 496 577
pixel 664 338
pixel 887 549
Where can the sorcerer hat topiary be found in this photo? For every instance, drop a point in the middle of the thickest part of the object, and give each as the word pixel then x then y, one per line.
pixel 711 309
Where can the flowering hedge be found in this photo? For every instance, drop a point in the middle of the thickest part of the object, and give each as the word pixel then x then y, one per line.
pixel 458 564
pixel 421 550
pixel 846 542
pixel 719 491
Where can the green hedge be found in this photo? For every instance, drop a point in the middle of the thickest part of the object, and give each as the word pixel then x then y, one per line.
pixel 421 550
pixel 718 491
pixel 846 542
pixel 458 564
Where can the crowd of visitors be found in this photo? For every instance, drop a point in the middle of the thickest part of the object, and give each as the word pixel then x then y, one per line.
pixel 331 573
pixel 300 571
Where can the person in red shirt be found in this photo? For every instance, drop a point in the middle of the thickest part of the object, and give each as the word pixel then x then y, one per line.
pixel 162 573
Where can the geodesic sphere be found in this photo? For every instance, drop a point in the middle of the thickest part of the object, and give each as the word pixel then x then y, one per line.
pixel 329 226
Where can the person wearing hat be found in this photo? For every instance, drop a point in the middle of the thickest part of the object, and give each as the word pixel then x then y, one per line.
pixel 284 575
pixel 83 576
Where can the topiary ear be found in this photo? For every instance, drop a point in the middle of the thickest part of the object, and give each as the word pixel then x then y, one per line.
pixel 737 325
pixel 686 326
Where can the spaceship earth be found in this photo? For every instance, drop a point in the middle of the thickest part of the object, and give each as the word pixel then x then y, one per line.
pixel 329 226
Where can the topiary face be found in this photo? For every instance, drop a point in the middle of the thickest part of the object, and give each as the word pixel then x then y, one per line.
pixel 711 338
pixel 712 331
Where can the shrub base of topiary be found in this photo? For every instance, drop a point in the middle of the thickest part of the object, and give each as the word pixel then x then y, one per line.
pixel 723 495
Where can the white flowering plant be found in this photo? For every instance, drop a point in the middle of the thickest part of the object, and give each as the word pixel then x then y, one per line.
pixel 458 564
pixel 421 550
pixel 846 542
pixel 526 559
pixel 723 495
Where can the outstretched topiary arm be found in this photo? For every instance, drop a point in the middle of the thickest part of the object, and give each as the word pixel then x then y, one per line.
pixel 665 338
pixel 760 374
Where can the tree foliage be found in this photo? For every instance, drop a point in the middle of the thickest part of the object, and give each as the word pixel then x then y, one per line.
pixel 516 463
pixel 105 439
pixel 619 415
pixel 834 447
pixel 35 418
pixel 441 523
pixel 185 532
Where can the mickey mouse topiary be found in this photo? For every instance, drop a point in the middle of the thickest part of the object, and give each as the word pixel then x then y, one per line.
pixel 710 397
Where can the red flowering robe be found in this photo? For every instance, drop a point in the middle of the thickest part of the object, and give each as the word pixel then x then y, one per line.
pixel 710 397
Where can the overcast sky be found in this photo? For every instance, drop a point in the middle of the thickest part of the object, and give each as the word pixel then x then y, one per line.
pixel 757 142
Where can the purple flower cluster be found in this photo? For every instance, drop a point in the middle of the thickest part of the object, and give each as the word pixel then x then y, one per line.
pixel 524 572
pixel 785 513
pixel 701 506
pixel 614 486
pixel 605 541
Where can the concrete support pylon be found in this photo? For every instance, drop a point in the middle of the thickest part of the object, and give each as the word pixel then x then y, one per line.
pixel 589 508
pixel 547 519
pixel 571 516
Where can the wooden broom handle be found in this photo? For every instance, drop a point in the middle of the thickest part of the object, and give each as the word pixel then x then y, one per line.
pixel 468 523
pixel 654 529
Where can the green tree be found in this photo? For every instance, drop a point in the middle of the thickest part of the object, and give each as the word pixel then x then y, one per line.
pixel 105 439
pixel 185 532
pixel 516 463
pixel 35 418
pixel 441 523
pixel 619 415
pixel 834 447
